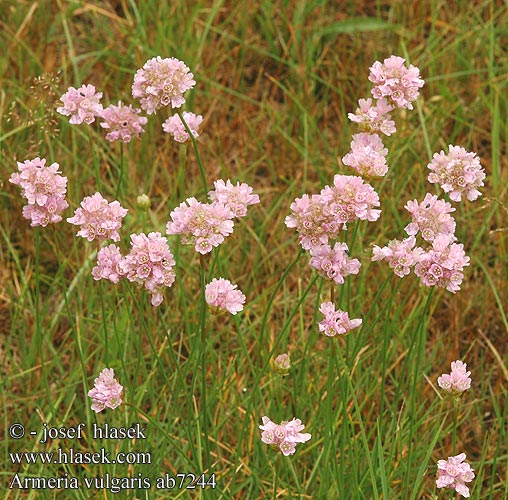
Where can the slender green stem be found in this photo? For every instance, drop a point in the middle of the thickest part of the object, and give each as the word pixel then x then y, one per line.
pixel 120 175
pixel 104 325
pixel 198 156
pixel 455 425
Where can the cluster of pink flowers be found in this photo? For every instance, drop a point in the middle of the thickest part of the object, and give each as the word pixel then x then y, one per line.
pixel 107 392
pixel 99 220
pixel 367 155
pixel 150 264
pixel 284 436
pixel 237 198
pixel 459 173
pixel 174 126
pixel 122 122
pixel 333 263
pixel 457 381
pixel 82 105
pixel 454 473
pixel 374 117
pixel 336 322
pixel 395 82
pixel 44 189
pixel 222 296
pixel 282 364
pixel 108 264
pixel 400 255
pixel 162 82
pixel 431 218
pixel 204 225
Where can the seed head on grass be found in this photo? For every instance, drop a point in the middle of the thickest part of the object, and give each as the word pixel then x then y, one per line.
pixel 106 392
pixel 204 225
pixel 44 189
pixel 284 436
pixel 175 127
pixel 367 155
pixel 396 82
pixel 459 173
pixel 237 198
pixel 454 473
pixel 99 220
pixel 162 82
pixel 122 122
pixel 150 264
pixel 457 381
pixel 222 296
pixel 335 322
pixel 82 105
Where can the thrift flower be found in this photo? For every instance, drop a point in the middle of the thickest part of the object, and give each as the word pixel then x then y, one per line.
pixel 431 217
pixel 333 263
pixel 237 198
pixel 457 381
pixel 108 264
pixel 374 118
pixel 458 173
pixel 44 189
pixel 281 364
pixel 396 82
pixel 284 436
pixel 106 392
pixel 349 199
pixel 149 263
pixel 367 155
pixel 222 296
pixel 174 126
pixel 122 122
pixel 310 218
pixel 98 219
pixel 454 473
pixel 400 255
pixel 203 225
pixel 162 82
pixel 82 105
pixel 442 265
pixel 335 322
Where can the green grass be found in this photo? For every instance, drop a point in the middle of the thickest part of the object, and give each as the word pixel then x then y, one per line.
pixel 275 81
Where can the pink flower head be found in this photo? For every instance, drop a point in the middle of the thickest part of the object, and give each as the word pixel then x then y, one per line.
pixel 400 255
pixel 162 82
pixel 174 126
pixel 349 199
pixel 237 198
pixel 122 122
pixel 149 263
pixel 443 264
pixel 431 217
pixel 458 173
pixel 333 263
pixel 367 155
pixel 222 296
pixel 108 264
pixel 204 225
pixel 374 118
pixel 396 82
pixel 44 189
pixel 106 392
pixel 335 322
pixel 281 364
pixel 98 219
pixel 454 473
pixel 284 436
pixel 457 381
pixel 313 224
pixel 82 104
